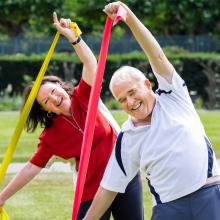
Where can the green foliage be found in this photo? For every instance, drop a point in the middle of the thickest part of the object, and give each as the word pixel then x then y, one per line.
pixel 19 15
pixel 163 17
pixel 175 50
pixel 180 17
pixel 15 69
pixel 198 103
pixel 112 104
pixel 199 70
pixel 10 103
pixel 69 9
pixel 90 16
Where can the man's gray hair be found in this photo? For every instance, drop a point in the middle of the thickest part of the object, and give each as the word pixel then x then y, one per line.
pixel 126 73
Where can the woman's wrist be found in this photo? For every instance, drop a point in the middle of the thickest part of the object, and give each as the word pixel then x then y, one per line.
pixel 2 201
pixel 76 41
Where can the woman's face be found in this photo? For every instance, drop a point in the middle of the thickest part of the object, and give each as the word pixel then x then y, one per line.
pixel 53 98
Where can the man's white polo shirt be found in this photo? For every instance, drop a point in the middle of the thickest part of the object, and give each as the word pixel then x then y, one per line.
pixel 174 151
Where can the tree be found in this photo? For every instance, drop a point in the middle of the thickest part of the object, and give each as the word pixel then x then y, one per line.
pixel 182 16
pixel 165 17
pixel 19 15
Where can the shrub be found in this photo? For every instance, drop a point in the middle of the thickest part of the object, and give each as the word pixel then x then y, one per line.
pixel 112 104
pixel 201 71
pixel 10 103
pixel 198 103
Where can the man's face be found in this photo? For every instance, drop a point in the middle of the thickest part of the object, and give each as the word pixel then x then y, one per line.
pixel 136 98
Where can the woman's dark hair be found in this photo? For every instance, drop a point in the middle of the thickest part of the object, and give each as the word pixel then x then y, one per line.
pixel 37 114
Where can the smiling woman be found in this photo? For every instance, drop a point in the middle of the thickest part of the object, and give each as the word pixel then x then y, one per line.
pixel 53 98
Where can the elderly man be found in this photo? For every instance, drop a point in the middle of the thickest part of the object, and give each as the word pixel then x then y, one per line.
pixel 163 136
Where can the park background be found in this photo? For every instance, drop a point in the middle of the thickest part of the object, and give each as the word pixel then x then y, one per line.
pixel 188 30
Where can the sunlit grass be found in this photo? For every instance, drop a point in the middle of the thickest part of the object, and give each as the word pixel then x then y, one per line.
pixel 47 197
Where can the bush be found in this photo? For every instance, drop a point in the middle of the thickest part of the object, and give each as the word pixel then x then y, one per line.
pixel 10 103
pixel 112 104
pixel 198 103
pixel 201 71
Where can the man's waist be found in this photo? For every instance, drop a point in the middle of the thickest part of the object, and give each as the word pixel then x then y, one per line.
pixel 212 179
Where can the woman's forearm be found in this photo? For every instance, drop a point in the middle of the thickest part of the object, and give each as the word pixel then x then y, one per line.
pixel 85 54
pixel 89 61
pixel 24 176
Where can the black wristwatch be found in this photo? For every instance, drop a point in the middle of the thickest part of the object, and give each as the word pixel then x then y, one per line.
pixel 77 40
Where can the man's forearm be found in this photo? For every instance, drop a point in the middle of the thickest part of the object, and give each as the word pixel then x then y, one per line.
pixel 144 37
pixel 150 46
pixel 101 202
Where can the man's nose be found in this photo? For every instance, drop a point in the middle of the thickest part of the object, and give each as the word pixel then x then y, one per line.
pixel 130 101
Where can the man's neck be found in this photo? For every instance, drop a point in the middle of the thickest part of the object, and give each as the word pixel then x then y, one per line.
pixel 139 122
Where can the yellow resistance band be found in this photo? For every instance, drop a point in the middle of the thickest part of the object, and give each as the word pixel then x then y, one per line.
pixel 75 29
pixel 26 110
pixel 3 215
pixel 27 107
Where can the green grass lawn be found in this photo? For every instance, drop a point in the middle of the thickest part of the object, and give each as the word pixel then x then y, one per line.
pixel 47 197
pixel 211 122
pixel 50 196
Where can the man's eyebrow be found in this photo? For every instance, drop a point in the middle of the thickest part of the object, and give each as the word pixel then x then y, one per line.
pixel 131 90
pixel 128 92
pixel 120 100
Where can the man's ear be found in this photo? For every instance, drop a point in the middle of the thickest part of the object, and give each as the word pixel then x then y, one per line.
pixel 148 83
pixel 57 83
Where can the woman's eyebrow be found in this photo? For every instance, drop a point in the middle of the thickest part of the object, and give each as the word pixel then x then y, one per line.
pixel 45 100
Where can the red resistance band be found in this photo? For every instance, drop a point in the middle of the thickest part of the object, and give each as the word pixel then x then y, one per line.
pixel 92 111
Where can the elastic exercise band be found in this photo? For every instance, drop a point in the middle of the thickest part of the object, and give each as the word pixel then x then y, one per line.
pixel 26 110
pixel 3 214
pixel 92 110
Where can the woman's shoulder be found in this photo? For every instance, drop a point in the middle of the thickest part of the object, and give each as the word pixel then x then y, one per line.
pixel 53 129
